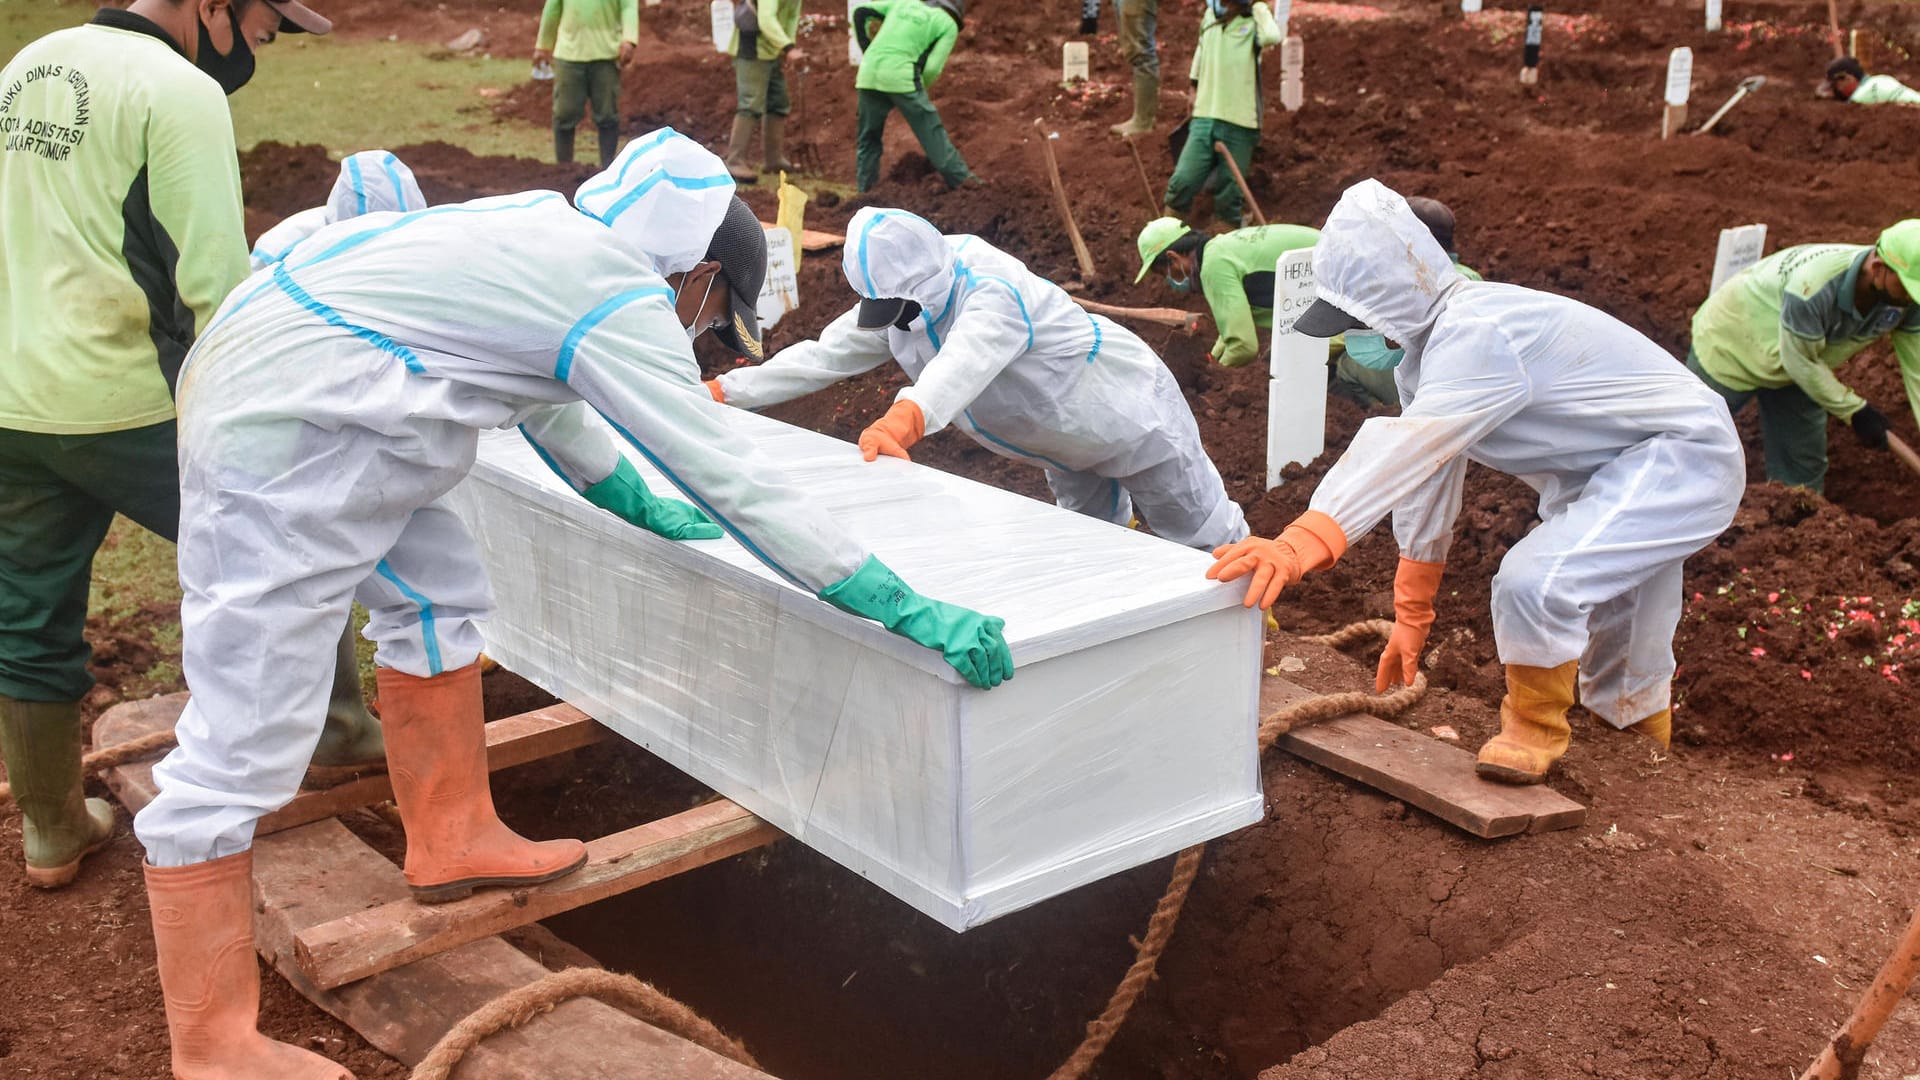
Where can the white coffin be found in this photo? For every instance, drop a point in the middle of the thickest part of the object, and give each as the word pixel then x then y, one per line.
pixel 1127 733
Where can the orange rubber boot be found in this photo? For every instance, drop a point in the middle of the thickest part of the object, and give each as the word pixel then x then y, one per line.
pixel 1533 724
pixel 1658 727
pixel 203 935
pixel 437 756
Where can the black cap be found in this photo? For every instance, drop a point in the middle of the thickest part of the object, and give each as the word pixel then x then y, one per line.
pixel 875 314
pixel 1323 320
pixel 740 247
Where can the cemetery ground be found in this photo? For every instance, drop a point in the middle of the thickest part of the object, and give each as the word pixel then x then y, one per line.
pixel 1724 903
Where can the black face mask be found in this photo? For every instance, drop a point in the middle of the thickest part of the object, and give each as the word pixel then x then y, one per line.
pixel 232 70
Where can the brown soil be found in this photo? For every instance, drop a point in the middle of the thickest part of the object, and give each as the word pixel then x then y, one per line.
pixel 1723 905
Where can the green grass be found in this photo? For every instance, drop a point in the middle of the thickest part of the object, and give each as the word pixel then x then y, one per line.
pixel 345 94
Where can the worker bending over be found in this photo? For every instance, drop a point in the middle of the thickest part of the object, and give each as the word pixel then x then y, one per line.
pixel 1226 105
pixel 1363 370
pixel 370 181
pixel 324 416
pixel 1778 331
pixel 1021 368
pixel 1850 82
pixel 1637 467
pixel 902 60
pixel 1235 271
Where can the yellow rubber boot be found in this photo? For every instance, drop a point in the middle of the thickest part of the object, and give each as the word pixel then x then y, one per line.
pixel 1658 727
pixel 1533 724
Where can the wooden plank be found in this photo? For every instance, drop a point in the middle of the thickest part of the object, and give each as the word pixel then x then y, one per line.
pixel 814 239
pixel 514 740
pixel 1420 771
pixel 368 942
pixel 319 872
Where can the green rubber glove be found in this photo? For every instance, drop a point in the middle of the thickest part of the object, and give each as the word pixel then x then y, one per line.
pixel 625 494
pixel 969 641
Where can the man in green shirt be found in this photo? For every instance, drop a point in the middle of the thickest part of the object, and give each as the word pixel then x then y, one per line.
pixel 1779 330
pixel 1235 272
pixel 588 42
pixel 1226 104
pixel 1850 82
pixel 901 61
pixel 760 87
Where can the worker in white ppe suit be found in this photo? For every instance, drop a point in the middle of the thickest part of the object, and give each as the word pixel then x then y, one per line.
pixel 332 403
pixel 370 181
pixel 1637 468
pixel 1021 368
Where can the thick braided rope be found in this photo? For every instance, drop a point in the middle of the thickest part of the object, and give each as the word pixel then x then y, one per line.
pixel 1166 914
pixel 145 746
pixel 517 1007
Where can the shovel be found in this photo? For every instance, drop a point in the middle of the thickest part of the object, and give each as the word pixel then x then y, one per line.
pixel 1747 86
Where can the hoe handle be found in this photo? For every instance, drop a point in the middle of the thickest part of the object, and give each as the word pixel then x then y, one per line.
pixel 1840 1058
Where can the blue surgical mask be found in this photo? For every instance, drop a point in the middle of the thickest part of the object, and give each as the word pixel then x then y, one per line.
pixel 1370 351
pixel 1184 284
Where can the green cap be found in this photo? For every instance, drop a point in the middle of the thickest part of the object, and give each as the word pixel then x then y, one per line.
pixel 1155 239
pixel 1899 247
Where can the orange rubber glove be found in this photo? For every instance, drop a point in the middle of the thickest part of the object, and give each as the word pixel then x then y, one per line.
pixel 1415 585
pixel 895 433
pixel 1313 542
pixel 719 395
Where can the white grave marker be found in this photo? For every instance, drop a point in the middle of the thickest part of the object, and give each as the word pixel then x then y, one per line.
pixel 1282 12
pixel 780 293
pixel 1679 88
pixel 653 3
pixel 722 24
pixel 1073 62
pixel 1713 16
pixel 1293 58
pixel 1470 7
pixel 1739 249
pixel 1297 370
pixel 1530 49
pixel 854 52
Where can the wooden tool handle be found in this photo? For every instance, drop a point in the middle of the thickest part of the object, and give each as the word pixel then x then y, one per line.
pixel 1080 251
pixel 1186 322
pixel 1904 452
pixel 1245 191
pixel 1840 1059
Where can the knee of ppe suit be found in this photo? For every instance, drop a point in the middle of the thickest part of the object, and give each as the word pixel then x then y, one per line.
pixel 1531 624
pixel 1224 524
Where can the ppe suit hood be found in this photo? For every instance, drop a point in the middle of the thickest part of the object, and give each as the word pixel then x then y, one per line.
pixel 1379 263
pixel 895 255
pixel 372 181
pixel 664 196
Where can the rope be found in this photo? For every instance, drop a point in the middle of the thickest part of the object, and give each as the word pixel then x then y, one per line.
pixel 516 1007
pixel 1166 914
pixel 139 749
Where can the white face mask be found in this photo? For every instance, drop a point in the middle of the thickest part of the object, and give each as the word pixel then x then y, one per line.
pixel 694 332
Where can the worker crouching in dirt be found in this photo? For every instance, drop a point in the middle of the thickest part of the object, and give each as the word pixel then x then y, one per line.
pixel 1021 368
pixel 120 233
pixel 325 415
pixel 1235 272
pixel 1850 82
pixel 1226 105
pixel 1778 331
pixel 370 181
pixel 1637 466
pixel 901 63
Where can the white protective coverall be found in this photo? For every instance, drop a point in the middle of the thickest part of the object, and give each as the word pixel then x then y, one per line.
pixel 1635 459
pixel 370 181
pixel 1023 370
pixel 336 398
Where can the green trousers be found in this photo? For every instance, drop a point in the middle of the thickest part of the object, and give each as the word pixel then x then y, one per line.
pixel 922 117
pixel 1361 384
pixel 1137 25
pixel 760 89
pixel 1793 429
pixel 575 85
pixel 1197 162
pixel 58 495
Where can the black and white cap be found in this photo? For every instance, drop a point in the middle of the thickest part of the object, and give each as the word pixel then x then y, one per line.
pixel 740 247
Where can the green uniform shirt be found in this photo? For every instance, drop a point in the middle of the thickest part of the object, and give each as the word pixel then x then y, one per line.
pixel 779 26
pixel 581 30
pixel 1226 65
pixel 911 49
pixel 1789 320
pixel 1236 275
pixel 1883 90
pixel 120 212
